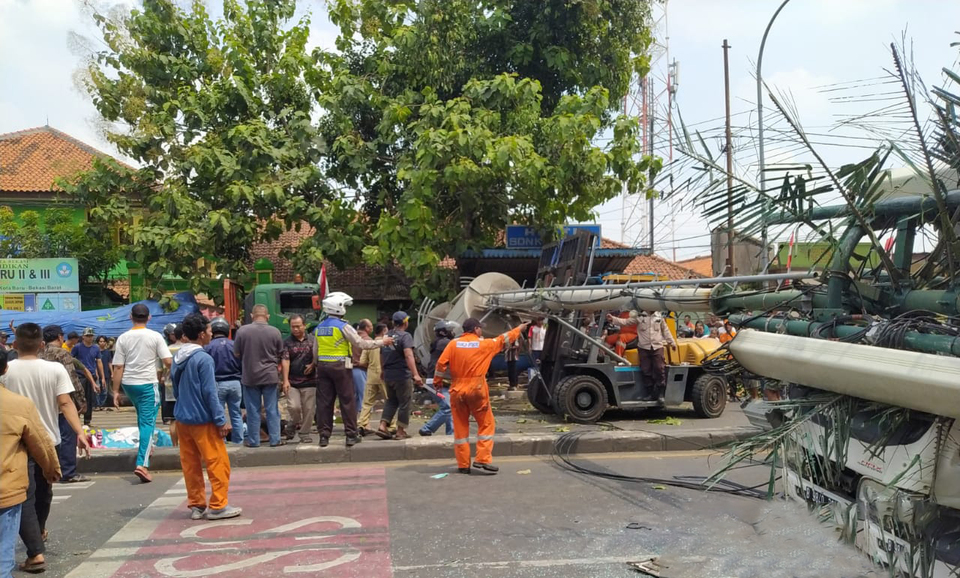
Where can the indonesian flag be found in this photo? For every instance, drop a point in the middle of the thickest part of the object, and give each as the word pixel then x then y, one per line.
pixel 790 253
pixel 889 244
pixel 322 282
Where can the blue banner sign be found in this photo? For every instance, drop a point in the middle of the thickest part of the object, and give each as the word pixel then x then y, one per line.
pixel 523 237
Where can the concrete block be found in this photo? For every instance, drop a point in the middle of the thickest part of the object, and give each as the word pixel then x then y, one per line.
pixel 164 459
pixel 263 456
pixel 108 461
pixel 513 445
pixel 726 437
pixel 592 443
pixel 636 442
pixel 376 451
pixel 686 441
pixel 429 448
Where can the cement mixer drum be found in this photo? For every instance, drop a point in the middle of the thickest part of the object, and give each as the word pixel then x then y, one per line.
pixel 473 302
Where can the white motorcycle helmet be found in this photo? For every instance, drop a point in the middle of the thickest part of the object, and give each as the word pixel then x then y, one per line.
pixel 336 303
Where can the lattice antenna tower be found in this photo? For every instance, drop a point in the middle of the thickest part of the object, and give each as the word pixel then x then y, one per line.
pixel 650 99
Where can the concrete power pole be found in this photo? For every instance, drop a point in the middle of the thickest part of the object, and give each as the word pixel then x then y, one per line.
pixel 726 90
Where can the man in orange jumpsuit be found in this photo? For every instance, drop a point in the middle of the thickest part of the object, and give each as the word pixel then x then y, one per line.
pixel 622 338
pixel 468 358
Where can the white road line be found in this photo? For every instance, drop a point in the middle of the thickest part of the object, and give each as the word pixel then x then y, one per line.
pixel 137 531
pixel 526 563
pixel 60 498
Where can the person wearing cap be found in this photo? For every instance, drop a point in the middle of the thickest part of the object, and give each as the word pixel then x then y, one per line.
pixel 88 353
pixel 399 374
pixel 135 370
pixel 336 340
pixel 3 340
pixel 468 358
pixel 53 351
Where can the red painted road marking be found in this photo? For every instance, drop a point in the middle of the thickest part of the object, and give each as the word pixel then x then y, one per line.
pixel 306 522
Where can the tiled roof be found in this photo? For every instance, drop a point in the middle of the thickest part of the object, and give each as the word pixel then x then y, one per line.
pixel 660 266
pixel 702 265
pixel 283 270
pixel 32 160
pixel 362 282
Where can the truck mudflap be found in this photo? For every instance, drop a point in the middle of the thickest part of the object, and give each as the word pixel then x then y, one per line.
pixel 876 523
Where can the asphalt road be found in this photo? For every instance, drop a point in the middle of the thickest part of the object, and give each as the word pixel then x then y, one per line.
pixel 395 519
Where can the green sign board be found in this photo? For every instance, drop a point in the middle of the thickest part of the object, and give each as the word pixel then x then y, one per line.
pixel 39 275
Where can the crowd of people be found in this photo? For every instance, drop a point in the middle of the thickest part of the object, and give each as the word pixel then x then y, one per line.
pixel 211 389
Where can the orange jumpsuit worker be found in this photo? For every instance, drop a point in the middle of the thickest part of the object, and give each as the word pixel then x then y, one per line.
pixel 468 358
pixel 623 337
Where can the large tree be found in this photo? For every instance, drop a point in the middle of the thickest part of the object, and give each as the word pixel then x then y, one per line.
pixel 217 114
pixel 452 118
pixel 434 124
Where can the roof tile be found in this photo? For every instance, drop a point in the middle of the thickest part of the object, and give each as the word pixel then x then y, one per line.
pixel 32 160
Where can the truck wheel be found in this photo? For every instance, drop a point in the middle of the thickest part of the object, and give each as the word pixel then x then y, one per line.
pixel 539 396
pixel 709 395
pixel 582 398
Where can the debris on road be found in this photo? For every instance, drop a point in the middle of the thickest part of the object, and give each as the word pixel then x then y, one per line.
pixel 439 476
pixel 524 472
pixel 637 526
pixel 665 421
pixel 649 566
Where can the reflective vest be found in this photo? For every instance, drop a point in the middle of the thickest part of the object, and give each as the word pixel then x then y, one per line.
pixel 332 344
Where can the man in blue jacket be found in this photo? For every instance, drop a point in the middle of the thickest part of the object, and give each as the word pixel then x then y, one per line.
pixel 201 424
pixel 227 371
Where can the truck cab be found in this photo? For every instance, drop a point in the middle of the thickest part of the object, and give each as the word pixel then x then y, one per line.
pixel 283 300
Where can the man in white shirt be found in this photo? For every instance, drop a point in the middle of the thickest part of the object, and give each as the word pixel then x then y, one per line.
pixel 135 359
pixel 537 335
pixel 48 385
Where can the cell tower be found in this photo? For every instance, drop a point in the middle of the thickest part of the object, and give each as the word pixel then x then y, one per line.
pixel 650 99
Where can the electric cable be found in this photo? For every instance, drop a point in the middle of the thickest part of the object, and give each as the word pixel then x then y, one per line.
pixel 566 442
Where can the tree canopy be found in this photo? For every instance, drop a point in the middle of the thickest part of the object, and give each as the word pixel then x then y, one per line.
pixel 56 234
pixel 434 124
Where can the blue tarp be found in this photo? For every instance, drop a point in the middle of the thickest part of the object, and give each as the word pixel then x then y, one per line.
pixel 109 322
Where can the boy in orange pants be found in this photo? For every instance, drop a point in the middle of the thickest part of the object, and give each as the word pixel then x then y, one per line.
pixel 201 424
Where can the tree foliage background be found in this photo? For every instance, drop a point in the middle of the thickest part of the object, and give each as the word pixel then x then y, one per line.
pixel 55 234
pixel 434 124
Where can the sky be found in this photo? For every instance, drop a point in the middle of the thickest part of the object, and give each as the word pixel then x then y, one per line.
pixel 813 43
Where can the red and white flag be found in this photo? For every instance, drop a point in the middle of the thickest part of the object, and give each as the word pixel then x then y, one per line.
pixel 790 253
pixel 889 244
pixel 322 282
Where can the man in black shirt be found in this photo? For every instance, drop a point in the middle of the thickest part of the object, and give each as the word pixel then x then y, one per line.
pixel 399 375
pixel 299 379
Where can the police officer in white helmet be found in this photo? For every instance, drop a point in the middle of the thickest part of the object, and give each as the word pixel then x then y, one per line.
pixel 335 342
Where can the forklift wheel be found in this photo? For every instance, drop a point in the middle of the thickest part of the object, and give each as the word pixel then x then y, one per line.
pixel 709 395
pixel 582 398
pixel 539 396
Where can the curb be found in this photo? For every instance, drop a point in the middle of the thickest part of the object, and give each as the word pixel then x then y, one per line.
pixel 428 448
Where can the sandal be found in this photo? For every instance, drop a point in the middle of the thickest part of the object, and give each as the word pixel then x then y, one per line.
pixel 276 445
pixel 143 474
pixel 33 567
pixel 384 435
